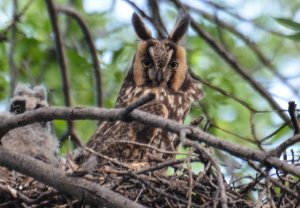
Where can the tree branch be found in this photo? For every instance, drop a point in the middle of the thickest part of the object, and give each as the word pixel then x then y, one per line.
pixel 76 187
pixel 256 50
pixel 161 29
pixel 62 59
pixel 184 141
pixel 60 51
pixel 92 113
pixel 14 73
pixel 90 42
pixel 292 112
pixel 234 65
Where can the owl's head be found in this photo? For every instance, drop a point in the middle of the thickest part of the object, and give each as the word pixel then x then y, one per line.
pixel 160 63
pixel 27 99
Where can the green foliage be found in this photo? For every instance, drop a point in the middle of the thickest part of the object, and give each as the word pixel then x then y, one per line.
pixel 291 25
pixel 288 23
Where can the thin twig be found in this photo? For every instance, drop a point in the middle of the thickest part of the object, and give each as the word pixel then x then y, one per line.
pixel 153 5
pixel 191 185
pixel 257 52
pixel 63 63
pixel 60 51
pixel 17 194
pixel 144 15
pixel 11 56
pixel 284 145
pixel 186 142
pixel 239 17
pixel 292 113
pixel 149 146
pixel 163 165
pixel 268 190
pixel 227 94
pixel 273 133
pixel 90 42
pixel 147 184
pixel 113 160
pixel 234 64
pixel 275 182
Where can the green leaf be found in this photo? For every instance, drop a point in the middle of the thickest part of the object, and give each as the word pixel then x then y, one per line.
pixel 294 37
pixel 288 23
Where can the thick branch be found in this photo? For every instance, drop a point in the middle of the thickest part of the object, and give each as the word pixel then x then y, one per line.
pixel 92 113
pixel 76 187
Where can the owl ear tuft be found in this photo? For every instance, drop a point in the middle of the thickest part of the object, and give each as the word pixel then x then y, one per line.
pixel 40 92
pixel 20 89
pixel 180 28
pixel 140 28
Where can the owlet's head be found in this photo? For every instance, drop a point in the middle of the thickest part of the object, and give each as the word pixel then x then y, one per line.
pixel 160 63
pixel 27 99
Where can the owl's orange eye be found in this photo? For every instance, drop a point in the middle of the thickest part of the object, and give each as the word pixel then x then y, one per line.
pixel 147 63
pixel 173 65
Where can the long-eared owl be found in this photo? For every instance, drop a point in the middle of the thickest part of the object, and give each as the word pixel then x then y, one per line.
pixel 35 139
pixel 159 67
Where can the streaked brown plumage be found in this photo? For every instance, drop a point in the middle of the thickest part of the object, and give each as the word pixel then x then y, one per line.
pixel 159 67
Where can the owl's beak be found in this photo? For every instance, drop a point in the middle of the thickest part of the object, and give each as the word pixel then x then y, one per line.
pixel 159 75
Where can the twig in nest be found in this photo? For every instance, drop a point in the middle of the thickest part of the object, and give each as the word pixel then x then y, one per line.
pixel 46 195
pixel 9 203
pixel 268 189
pixel 71 134
pixel 147 184
pixel 163 165
pixel 186 142
pixel 275 182
pixel 154 148
pixel 115 161
pixel 13 192
pixel 191 185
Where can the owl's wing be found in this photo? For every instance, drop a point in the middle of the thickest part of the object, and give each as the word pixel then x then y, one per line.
pixel 126 91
